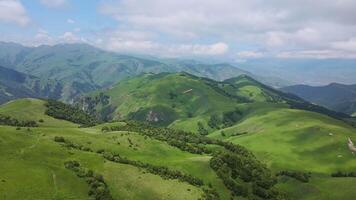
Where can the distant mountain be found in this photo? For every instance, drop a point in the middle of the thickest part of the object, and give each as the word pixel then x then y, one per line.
pixel 335 96
pixel 315 72
pixel 82 68
pixel 14 85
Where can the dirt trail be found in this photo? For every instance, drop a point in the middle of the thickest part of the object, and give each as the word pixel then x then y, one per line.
pixel 351 146
pixel 54 178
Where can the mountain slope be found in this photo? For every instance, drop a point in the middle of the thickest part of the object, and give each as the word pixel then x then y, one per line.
pixel 338 97
pixel 185 101
pixel 14 85
pixel 283 130
pixel 297 140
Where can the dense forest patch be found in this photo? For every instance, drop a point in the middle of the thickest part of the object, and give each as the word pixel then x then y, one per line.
pixel 63 111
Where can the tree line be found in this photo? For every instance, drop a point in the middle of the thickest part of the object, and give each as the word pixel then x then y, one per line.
pixel 9 121
pixel 239 169
pixel 98 189
pixel 63 111
pixel 162 171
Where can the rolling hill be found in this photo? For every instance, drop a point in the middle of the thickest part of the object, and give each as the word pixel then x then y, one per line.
pixel 338 97
pixel 126 161
pixel 187 101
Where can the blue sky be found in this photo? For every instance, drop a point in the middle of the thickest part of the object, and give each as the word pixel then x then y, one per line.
pixel 218 29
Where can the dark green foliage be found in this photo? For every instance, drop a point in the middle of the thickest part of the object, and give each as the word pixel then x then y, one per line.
pixel 156 115
pixel 105 129
pixel 214 121
pixel 239 169
pixel 98 188
pixel 343 174
pixel 244 175
pixel 9 121
pixel 230 118
pixel 201 129
pixel 63 111
pixel 162 171
pixel 177 138
pixel 59 139
pixel 41 120
pixel 300 176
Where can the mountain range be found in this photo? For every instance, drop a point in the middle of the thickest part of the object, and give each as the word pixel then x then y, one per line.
pixel 14 85
pixel 81 68
pixel 314 72
pixel 335 96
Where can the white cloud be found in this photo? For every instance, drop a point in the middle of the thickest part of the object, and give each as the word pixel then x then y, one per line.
pixel 69 37
pixel 317 54
pixel 54 3
pixel 250 54
pixel 12 11
pixel 199 49
pixel 277 26
pixel 349 45
pixel 70 21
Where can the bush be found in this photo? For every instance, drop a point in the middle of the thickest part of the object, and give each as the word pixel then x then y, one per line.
pixel 59 139
pixel 300 176
pixel 9 121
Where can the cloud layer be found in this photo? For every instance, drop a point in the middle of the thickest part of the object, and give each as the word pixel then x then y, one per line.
pixel 303 27
pixel 228 29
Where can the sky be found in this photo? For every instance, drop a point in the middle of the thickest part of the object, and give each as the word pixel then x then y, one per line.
pixel 235 30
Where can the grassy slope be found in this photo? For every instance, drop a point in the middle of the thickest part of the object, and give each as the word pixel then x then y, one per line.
pixel 288 139
pixel 32 109
pixel 150 91
pixel 45 176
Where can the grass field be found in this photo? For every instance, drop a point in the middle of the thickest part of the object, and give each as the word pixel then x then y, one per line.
pixel 33 163
pixel 288 139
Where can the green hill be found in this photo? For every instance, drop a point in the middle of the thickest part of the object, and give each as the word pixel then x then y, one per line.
pixel 185 101
pixel 123 161
pixel 284 131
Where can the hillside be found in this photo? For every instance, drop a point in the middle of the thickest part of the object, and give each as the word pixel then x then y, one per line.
pixel 185 101
pixel 14 85
pixel 338 97
pixel 122 161
pixel 301 141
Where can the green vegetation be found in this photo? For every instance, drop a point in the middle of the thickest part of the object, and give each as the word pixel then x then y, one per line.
pixel 343 174
pixel 197 139
pixel 7 120
pixel 63 111
pixel 300 176
pixel 98 188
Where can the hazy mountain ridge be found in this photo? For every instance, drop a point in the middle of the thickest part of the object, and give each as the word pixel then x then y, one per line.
pixel 335 96
pixel 14 85
pixel 315 72
pixel 82 68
